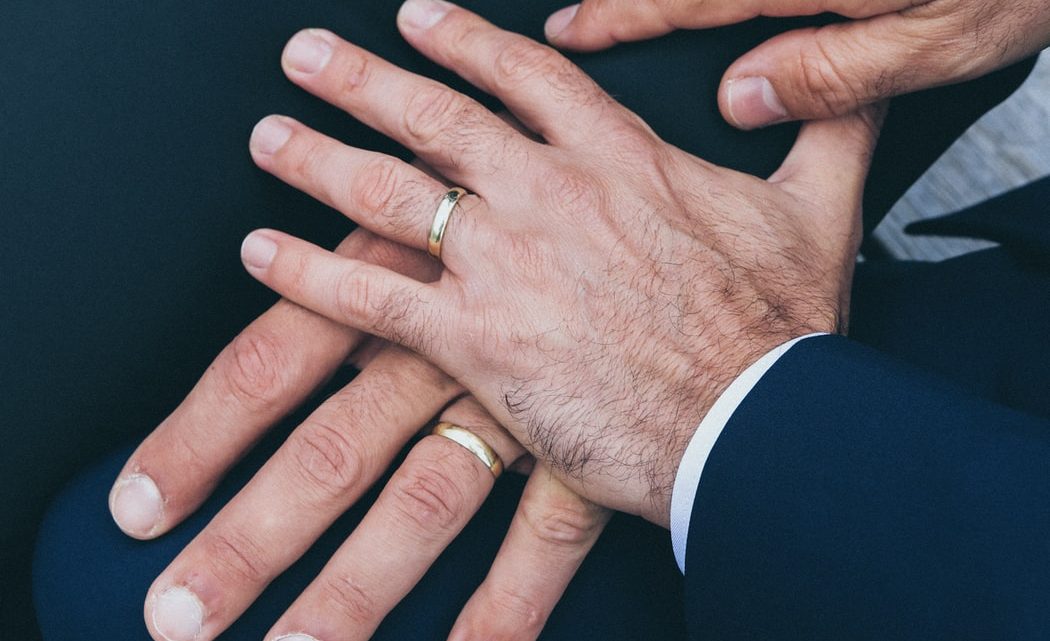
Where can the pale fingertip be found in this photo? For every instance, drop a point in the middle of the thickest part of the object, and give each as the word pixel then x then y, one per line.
pixel 308 52
pixel 423 14
pixel 297 636
pixel 258 251
pixel 137 506
pixel 559 21
pixel 753 102
pixel 177 615
pixel 269 135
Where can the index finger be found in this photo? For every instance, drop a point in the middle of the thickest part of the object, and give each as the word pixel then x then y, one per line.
pixel 541 87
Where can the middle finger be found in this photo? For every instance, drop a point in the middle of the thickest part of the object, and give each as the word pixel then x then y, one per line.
pixel 423 507
pixel 452 133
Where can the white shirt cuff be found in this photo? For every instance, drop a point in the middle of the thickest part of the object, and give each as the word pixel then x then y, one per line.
pixel 687 481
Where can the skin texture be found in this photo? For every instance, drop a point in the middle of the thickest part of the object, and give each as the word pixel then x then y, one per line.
pixel 324 467
pixel 601 288
pixel 890 47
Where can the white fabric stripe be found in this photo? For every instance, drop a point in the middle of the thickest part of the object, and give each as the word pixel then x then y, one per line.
pixel 687 481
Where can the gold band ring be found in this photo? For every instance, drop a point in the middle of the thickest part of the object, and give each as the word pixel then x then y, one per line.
pixel 444 213
pixel 472 442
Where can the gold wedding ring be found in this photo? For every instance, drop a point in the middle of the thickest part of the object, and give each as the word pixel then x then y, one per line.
pixel 444 213
pixel 472 442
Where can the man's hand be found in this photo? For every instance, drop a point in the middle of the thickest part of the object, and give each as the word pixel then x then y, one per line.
pixel 322 469
pixel 891 47
pixel 600 290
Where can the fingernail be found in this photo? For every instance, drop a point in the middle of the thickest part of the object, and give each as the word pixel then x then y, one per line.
pixel 295 637
pixel 136 505
pixel 307 52
pixel 753 102
pixel 178 615
pixel 269 135
pixel 423 14
pixel 559 20
pixel 258 251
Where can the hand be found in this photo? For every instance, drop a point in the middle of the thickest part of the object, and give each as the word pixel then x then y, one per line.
pixel 601 290
pixel 322 469
pixel 891 47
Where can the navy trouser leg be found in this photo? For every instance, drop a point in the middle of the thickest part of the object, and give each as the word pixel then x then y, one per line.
pixel 91 580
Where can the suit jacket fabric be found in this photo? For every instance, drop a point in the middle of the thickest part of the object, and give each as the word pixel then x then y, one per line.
pixel 853 496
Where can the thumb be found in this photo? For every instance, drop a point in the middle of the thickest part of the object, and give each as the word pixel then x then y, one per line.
pixel 600 24
pixel 826 171
pixel 828 167
pixel 829 71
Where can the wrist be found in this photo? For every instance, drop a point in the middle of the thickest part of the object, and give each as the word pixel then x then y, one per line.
pixel 690 464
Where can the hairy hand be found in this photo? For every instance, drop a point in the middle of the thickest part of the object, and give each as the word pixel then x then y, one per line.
pixel 891 47
pixel 601 288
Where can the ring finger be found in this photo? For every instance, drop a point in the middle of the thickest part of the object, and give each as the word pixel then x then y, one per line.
pixel 379 192
pixel 421 510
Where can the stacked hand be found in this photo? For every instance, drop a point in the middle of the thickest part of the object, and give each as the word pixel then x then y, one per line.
pixel 891 47
pixel 600 289
pixel 323 468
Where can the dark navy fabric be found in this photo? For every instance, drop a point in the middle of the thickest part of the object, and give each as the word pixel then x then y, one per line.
pixel 853 496
pixel 126 189
pixel 1018 219
pixel 90 580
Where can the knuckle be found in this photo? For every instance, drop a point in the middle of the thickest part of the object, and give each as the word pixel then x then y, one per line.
pixel 353 295
pixel 635 146
pixel 402 323
pixel 329 462
pixel 431 112
pixel 374 188
pixel 349 598
pixel 235 558
pixel 390 314
pixel 384 401
pixel 359 406
pixel 254 372
pixel 571 191
pixel 519 616
pixel 835 90
pixel 390 195
pixel 523 59
pixel 428 496
pixel 567 523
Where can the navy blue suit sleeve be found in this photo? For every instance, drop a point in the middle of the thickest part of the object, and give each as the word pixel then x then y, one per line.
pixel 852 497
